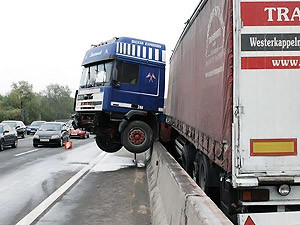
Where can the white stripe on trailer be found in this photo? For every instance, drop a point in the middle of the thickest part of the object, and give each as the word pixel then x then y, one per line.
pixel 270 53
pixel 270 29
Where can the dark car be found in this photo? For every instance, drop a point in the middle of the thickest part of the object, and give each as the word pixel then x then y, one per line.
pixel 34 126
pixel 8 137
pixel 19 126
pixel 51 133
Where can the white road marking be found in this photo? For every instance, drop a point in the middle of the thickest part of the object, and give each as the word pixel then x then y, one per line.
pixel 42 207
pixel 23 153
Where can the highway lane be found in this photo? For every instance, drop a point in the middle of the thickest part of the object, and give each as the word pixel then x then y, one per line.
pixel 104 189
pixel 25 153
pixel 29 175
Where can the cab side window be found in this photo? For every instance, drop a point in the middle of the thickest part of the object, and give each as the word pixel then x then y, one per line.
pixel 128 73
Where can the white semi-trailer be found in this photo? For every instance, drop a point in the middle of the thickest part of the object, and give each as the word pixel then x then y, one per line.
pixel 233 107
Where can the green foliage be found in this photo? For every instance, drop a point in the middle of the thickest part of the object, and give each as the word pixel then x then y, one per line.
pixel 21 103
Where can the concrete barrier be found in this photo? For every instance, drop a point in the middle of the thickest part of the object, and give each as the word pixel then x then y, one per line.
pixel 174 197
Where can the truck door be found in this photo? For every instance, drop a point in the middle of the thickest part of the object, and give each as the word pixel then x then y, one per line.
pixel 269 96
pixel 151 78
pixel 150 81
pixel 127 95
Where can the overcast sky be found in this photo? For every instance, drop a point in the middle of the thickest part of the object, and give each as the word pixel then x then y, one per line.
pixel 44 42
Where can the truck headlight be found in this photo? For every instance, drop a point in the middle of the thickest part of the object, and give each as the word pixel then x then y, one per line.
pixel 284 189
pixel 55 136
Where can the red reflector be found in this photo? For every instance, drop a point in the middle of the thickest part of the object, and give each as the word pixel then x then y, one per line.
pixel 255 195
pixel 249 221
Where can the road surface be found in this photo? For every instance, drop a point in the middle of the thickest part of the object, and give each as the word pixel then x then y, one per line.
pixel 83 185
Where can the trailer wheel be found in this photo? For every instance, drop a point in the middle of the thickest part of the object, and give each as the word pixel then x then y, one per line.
pixel 207 177
pixel 107 145
pixel 188 157
pixel 137 137
pixel 202 176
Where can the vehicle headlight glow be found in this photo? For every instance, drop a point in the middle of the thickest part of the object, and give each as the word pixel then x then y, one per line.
pixel 284 189
pixel 36 136
pixel 55 136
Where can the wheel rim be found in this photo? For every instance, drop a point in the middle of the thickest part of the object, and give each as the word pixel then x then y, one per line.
pixel 137 136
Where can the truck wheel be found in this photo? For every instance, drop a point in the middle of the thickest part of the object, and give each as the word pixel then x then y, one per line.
pixel 202 178
pixel 107 145
pixel 137 137
pixel 188 157
pixel 208 178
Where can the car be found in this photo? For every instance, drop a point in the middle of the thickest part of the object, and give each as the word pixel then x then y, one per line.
pixel 19 126
pixel 34 126
pixel 79 133
pixel 51 133
pixel 8 137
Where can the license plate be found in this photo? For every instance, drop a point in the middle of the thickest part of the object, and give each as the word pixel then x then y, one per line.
pixel 44 140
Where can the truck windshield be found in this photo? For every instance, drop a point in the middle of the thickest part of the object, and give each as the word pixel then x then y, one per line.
pixel 96 75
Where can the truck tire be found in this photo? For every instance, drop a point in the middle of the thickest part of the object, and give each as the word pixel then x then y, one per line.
pixel 202 173
pixel 137 137
pixel 188 157
pixel 207 178
pixel 107 144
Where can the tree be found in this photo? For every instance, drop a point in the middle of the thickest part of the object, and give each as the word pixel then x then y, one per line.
pixel 22 103
pixel 58 102
pixel 18 103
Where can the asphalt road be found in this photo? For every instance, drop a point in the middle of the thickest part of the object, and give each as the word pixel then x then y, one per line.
pixel 83 185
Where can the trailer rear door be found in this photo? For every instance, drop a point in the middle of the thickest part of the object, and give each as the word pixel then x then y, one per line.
pixel 268 80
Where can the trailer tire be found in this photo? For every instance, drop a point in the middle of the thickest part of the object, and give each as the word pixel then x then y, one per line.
pixel 207 178
pixel 202 176
pixel 188 157
pixel 137 137
pixel 107 145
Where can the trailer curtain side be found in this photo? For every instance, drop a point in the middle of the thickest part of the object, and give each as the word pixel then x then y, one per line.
pixel 199 101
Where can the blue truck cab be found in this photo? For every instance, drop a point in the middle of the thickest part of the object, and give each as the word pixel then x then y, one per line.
pixel 123 81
